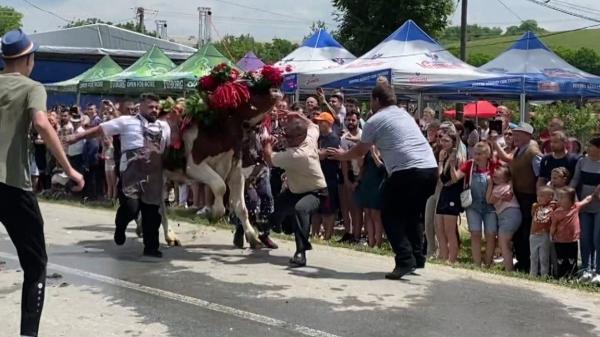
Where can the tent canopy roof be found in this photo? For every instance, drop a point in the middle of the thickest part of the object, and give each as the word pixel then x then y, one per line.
pixel 103 39
pixel 409 58
pixel 250 62
pixel 104 68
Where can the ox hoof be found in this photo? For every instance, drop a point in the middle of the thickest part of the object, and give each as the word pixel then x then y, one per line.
pixel 174 243
pixel 254 242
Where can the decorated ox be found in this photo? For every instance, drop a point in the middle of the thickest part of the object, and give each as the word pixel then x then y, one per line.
pixel 214 125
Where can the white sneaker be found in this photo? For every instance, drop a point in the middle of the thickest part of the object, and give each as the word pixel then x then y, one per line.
pixel 596 280
pixel 586 276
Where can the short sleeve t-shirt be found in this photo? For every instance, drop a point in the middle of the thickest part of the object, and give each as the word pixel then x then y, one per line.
pixel 466 169
pixel 549 163
pixel 542 218
pixel 331 168
pixel 301 164
pixel 20 99
pixel 399 139
pixel 565 223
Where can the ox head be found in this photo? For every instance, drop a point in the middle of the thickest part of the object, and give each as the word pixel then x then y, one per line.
pixel 258 106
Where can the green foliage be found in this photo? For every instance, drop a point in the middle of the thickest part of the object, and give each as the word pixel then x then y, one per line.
pixel 237 46
pixel 583 58
pixel 580 122
pixel 314 27
pixel 9 19
pixel 363 24
pixel 474 32
pixel 477 59
pixel 525 26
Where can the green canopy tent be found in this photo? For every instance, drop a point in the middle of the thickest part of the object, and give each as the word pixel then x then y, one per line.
pixel 185 76
pixel 138 78
pixel 104 68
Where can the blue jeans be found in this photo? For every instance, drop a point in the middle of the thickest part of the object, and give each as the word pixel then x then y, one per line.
pixel 590 240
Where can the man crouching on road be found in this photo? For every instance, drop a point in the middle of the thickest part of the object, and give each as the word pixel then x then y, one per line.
pixel 306 184
pixel 143 140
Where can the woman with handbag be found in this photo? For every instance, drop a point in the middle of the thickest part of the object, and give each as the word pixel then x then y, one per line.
pixel 480 214
pixel 449 204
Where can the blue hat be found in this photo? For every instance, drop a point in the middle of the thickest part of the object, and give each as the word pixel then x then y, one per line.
pixel 16 44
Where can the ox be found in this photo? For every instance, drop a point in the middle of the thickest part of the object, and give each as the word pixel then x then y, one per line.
pixel 213 157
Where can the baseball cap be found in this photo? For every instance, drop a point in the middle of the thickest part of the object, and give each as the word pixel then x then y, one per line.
pixel 524 127
pixel 325 117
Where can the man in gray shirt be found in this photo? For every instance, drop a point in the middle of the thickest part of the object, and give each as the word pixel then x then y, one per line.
pixel 412 175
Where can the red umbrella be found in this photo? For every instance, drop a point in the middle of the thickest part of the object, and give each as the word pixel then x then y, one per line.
pixel 481 109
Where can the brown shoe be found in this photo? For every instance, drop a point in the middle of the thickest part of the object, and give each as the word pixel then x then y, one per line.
pixel 266 240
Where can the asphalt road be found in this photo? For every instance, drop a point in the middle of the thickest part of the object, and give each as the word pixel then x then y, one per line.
pixel 207 288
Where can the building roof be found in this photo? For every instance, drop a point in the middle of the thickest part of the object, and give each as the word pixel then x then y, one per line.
pixel 103 39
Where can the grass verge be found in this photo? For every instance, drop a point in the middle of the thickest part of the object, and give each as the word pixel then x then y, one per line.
pixel 188 215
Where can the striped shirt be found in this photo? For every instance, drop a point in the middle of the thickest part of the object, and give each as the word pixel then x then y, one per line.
pixel 585 180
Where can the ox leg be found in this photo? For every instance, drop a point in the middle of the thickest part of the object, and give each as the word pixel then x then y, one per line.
pixel 237 202
pixel 204 173
pixel 138 226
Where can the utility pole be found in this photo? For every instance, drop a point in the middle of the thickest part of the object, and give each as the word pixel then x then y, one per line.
pixel 463 48
pixel 161 29
pixel 140 18
pixel 204 25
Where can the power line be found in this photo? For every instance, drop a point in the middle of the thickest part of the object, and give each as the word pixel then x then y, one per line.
pixel 562 10
pixel 577 7
pixel 46 11
pixel 511 11
pixel 260 10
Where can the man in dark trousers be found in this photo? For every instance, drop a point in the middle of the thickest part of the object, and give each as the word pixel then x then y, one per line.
pixel 143 139
pixel 23 104
pixel 412 175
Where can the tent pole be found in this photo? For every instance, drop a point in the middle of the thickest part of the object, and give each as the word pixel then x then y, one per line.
pixel 523 108
pixel 297 95
pixel 419 112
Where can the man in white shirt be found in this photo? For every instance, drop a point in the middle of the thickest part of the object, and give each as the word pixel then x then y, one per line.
pixel 143 140
pixel 351 214
pixel 305 181
pixel 75 151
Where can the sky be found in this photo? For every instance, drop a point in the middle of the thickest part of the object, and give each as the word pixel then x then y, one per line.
pixel 266 19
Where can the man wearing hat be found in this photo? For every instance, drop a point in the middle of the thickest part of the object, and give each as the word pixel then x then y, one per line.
pixel 75 151
pixel 524 164
pixel 23 104
pixel 328 210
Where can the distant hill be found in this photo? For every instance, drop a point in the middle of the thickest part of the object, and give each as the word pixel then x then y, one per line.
pixel 589 38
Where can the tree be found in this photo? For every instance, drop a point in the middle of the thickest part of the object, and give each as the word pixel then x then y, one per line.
pixel 237 46
pixel 474 32
pixel 9 19
pixel 584 58
pixel 579 122
pixel 315 27
pixel 363 24
pixel 525 26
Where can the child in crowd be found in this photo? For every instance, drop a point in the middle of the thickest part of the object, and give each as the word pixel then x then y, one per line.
pixel 539 239
pixel 559 178
pixel 564 231
pixel 500 194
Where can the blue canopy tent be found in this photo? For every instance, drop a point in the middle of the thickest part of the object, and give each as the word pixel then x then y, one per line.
pixel 544 75
pixel 413 62
pixel 319 52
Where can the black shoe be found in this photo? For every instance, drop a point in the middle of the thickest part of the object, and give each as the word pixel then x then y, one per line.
pixel 266 240
pixel 398 273
pixel 120 236
pixel 238 238
pixel 347 237
pixel 153 253
pixel 299 260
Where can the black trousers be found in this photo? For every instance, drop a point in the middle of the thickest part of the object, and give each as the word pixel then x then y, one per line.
pixel 299 207
pixel 20 214
pixel 521 237
pixel 566 259
pixel 128 211
pixel 405 194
